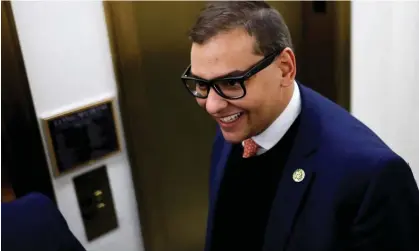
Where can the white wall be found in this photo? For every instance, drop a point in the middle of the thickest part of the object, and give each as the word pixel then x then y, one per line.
pixel 385 73
pixel 68 61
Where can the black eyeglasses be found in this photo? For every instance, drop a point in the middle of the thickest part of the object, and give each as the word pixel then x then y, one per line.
pixel 228 87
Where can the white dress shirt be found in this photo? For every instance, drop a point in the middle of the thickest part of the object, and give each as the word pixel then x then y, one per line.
pixel 274 133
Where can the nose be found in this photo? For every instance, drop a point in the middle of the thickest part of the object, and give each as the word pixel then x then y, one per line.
pixel 215 103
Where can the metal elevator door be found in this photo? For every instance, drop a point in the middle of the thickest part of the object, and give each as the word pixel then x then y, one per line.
pixel 168 136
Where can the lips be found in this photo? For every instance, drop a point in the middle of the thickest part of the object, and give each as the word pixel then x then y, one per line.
pixel 231 118
pixel 229 122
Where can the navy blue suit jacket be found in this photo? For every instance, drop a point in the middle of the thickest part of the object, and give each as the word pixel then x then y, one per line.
pixel 34 223
pixel 357 193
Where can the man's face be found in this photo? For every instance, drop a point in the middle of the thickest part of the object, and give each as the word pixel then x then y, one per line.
pixel 243 118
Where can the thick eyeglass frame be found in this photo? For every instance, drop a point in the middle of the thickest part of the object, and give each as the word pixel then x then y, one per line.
pixel 259 66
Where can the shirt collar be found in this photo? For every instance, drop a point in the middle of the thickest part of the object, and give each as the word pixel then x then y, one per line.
pixel 274 133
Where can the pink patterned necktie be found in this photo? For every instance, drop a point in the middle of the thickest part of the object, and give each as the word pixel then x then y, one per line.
pixel 250 148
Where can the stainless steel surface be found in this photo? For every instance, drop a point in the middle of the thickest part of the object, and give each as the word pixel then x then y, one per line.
pixel 168 135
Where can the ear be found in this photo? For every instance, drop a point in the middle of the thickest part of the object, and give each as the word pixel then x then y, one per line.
pixel 286 62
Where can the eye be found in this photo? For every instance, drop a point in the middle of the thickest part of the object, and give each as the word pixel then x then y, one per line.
pixel 201 85
pixel 232 82
pixel 229 85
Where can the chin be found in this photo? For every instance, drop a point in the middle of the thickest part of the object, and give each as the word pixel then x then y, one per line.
pixel 233 138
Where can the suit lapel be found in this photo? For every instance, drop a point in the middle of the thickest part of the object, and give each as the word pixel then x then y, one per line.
pixel 218 175
pixel 290 194
pixel 220 169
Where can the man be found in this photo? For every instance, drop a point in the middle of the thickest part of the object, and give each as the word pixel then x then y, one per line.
pixel 290 170
pixel 34 223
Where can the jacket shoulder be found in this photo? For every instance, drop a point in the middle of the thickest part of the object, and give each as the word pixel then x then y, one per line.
pixel 34 222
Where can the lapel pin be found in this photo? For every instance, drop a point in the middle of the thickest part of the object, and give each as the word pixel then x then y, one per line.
pixel 298 175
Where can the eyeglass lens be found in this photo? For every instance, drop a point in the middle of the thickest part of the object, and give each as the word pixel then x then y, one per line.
pixel 230 89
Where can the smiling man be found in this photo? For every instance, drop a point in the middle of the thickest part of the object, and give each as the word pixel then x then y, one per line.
pixel 290 170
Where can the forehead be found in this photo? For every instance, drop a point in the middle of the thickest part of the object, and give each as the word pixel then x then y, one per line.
pixel 222 54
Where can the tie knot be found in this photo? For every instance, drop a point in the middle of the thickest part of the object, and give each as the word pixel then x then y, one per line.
pixel 250 148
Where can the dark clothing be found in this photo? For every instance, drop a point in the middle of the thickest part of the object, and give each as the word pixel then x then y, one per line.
pixel 246 194
pixel 357 194
pixel 34 223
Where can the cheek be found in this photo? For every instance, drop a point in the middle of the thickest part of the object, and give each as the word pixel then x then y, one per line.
pixel 255 95
pixel 263 89
pixel 257 101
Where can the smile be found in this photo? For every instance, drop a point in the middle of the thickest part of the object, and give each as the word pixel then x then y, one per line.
pixel 231 118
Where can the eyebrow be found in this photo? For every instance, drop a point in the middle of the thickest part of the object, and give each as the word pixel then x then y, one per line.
pixel 234 73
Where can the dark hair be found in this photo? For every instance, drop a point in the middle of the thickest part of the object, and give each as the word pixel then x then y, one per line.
pixel 258 18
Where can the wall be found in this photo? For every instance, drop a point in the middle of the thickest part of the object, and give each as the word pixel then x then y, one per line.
pixel 385 73
pixel 342 52
pixel 67 57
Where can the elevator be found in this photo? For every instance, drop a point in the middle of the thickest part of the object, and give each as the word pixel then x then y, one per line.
pixel 24 167
pixel 169 137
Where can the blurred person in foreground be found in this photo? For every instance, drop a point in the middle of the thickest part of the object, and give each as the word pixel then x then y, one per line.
pixel 34 223
pixel 290 170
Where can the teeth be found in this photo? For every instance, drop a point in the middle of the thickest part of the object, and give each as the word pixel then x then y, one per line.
pixel 231 118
